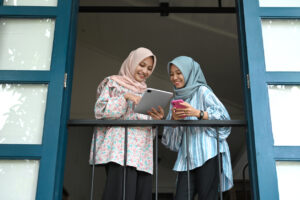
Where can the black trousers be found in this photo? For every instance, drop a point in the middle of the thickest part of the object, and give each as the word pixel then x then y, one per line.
pixel 203 181
pixel 138 184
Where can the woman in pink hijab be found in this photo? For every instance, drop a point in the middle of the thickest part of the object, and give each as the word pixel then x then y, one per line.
pixel 116 97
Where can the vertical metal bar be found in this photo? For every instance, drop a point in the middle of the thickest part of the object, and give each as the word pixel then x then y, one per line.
pixel 188 162
pixel 219 167
pixel 93 170
pixel 125 162
pixel 156 164
pixel 220 3
pixel 244 182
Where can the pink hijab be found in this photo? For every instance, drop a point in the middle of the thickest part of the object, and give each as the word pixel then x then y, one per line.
pixel 126 73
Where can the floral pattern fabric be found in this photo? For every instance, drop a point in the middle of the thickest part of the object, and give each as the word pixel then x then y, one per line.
pixel 111 105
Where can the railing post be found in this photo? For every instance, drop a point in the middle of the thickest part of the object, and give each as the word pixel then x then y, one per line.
pixel 93 171
pixel 244 182
pixel 156 164
pixel 188 161
pixel 125 162
pixel 219 166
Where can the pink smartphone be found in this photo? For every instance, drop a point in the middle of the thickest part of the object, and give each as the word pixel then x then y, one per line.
pixel 176 104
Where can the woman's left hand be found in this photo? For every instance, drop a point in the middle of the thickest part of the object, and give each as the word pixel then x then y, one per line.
pixel 188 110
pixel 157 114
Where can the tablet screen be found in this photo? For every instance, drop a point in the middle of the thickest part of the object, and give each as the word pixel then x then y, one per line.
pixel 153 98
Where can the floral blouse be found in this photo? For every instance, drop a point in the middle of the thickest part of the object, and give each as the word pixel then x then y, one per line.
pixel 111 105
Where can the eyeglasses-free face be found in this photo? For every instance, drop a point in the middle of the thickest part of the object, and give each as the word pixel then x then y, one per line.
pixel 144 69
pixel 176 77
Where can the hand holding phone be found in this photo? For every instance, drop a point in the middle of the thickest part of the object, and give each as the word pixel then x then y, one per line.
pixel 177 105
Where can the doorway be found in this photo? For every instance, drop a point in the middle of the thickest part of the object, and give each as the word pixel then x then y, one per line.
pixel 104 41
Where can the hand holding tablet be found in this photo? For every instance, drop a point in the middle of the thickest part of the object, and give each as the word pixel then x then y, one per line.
pixel 153 98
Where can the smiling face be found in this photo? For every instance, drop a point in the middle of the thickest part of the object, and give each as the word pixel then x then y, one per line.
pixel 144 69
pixel 176 77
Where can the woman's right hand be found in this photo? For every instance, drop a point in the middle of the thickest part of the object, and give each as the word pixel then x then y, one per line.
pixel 134 98
pixel 157 114
pixel 176 115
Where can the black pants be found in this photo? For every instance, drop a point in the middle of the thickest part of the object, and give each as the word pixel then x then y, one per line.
pixel 203 181
pixel 138 184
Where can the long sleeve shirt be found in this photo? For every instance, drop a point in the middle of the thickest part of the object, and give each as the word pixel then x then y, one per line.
pixel 202 140
pixel 111 105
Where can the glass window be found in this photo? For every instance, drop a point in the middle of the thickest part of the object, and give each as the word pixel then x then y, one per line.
pixel 281 40
pixel 288 175
pixel 279 3
pixel 30 2
pixel 285 109
pixel 26 44
pixel 18 179
pixel 22 110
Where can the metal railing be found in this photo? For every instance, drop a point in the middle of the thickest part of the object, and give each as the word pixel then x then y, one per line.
pixel 157 124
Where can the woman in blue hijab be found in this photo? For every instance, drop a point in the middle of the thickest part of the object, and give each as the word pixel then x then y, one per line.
pixel 199 103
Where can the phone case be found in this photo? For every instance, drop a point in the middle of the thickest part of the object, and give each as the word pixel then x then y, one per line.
pixel 176 103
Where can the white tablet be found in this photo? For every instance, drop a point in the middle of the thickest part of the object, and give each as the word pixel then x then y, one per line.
pixel 153 98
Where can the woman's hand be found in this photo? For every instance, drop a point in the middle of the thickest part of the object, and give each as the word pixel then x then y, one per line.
pixel 177 115
pixel 188 111
pixel 134 98
pixel 157 114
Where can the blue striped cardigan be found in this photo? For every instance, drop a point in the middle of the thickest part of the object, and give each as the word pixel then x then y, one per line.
pixel 202 140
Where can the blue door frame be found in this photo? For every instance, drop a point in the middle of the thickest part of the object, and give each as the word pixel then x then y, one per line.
pixel 247 97
pixel 51 153
pixel 262 153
